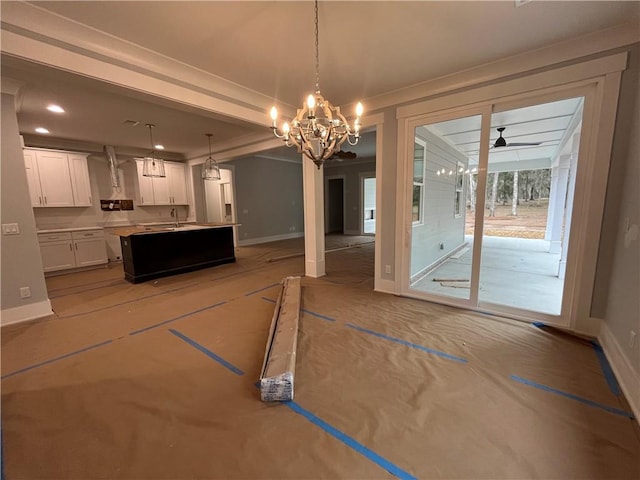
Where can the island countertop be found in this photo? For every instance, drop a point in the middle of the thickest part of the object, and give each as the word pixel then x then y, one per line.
pixel 165 228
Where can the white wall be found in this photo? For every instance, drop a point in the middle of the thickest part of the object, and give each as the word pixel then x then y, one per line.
pixel 440 226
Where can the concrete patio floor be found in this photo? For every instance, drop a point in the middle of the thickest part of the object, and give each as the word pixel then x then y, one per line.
pixel 515 272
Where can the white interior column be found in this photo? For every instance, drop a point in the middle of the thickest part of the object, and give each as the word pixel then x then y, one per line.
pixel 557 204
pixel 312 179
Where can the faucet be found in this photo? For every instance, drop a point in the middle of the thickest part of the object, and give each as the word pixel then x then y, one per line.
pixel 174 213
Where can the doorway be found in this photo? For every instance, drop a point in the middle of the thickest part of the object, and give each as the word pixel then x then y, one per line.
pixel 218 194
pixel 335 202
pixel 368 202
pixel 490 229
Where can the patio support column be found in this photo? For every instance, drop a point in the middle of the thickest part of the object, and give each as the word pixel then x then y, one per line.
pixel 569 210
pixel 557 201
pixel 312 180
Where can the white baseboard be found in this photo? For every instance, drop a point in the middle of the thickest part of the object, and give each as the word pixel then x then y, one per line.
pixel 385 286
pixel 26 312
pixel 273 238
pixel 628 378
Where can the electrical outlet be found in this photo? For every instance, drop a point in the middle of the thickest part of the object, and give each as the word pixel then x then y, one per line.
pixel 387 269
pixel 632 339
pixel 25 292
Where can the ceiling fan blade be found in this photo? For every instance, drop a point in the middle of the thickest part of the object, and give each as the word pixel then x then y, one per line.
pixel 523 144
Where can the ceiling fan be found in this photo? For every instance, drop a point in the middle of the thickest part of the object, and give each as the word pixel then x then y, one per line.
pixel 501 142
pixel 340 156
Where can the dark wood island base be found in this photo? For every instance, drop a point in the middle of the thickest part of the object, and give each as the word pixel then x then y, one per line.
pixel 147 255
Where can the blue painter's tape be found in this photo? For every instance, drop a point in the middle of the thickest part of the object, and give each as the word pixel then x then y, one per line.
pixel 352 443
pixel 538 324
pixel 408 344
pixel 261 289
pixel 268 300
pixel 177 318
pixel 586 401
pixel 66 355
pixel 323 317
pixel 606 369
pixel 207 352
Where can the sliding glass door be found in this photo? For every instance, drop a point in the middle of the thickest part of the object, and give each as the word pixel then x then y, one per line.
pixel 491 199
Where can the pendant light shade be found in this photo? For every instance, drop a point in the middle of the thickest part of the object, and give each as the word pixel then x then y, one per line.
pixel 210 168
pixel 153 167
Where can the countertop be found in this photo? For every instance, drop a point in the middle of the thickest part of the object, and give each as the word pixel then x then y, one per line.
pixel 142 229
pixel 72 229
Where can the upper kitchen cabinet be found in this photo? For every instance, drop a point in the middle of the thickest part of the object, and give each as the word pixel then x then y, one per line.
pixel 177 176
pixel 169 190
pixel 57 179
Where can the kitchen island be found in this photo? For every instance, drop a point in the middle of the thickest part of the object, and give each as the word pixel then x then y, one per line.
pixel 154 252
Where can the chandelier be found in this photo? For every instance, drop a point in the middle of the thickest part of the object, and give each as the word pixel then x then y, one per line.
pixel 210 168
pixel 319 128
pixel 152 166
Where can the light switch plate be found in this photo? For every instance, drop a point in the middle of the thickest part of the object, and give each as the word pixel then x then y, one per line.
pixel 10 229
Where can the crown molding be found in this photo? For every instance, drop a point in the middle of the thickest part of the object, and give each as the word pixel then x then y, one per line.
pixel 35 34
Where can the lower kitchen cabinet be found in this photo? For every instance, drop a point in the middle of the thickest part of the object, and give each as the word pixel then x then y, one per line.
pixel 72 249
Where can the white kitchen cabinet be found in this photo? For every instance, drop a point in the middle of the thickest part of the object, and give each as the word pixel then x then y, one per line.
pixel 72 249
pixel 57 251
pixel 177 176
pixel 57 179
pixel 33 178
pixel 80 182
pixel 169 190
pixel 90 248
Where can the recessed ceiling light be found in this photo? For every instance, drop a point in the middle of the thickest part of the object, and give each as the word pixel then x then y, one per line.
pixel 42 130
pixel 159 147
pixel 55 108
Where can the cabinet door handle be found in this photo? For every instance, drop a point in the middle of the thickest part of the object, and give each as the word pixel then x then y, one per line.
pixel 40 200
pixel 90 200
pixel 70 248
pixel 45 199
pixel 76 246
pixel 141 199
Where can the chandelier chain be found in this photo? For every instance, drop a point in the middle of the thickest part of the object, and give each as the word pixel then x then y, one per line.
pixel 317 48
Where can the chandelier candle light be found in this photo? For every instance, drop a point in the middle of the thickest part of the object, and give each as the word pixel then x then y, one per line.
pixel 319 128
pixel 210 168
pixel 152 167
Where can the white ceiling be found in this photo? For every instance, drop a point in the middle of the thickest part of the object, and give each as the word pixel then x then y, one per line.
pixel 366 49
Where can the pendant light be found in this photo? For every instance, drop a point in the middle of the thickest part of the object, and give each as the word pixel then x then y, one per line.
pixel 210 168
pixel 153 167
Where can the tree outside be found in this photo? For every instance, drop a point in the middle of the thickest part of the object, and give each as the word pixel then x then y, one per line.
pixel 520 213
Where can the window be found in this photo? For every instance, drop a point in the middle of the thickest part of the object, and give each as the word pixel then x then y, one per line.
pixel 419 154
pixel 458 202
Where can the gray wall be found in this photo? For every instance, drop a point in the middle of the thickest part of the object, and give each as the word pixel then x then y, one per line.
pixel 351 171
pixel 440 225
pixel 21 261
pixel 617 289
pixel 269 198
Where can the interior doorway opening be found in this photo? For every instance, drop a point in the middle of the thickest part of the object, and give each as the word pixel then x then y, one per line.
pixel 334 205
pixel 368 202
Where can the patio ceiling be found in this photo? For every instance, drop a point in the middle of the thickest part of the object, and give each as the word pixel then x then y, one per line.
pixel 551 124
